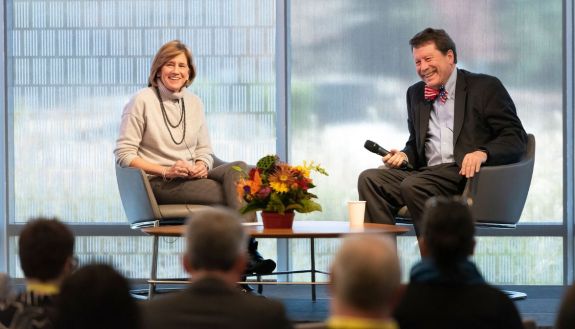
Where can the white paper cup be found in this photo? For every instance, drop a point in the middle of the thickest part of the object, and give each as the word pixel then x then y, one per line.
pixel 356 210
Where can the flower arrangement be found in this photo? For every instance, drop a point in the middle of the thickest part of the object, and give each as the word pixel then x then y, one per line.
pixel 274 186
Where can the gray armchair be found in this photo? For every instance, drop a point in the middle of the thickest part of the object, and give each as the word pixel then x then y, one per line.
pixel 139 202
pixel 497 193
pixel 142 210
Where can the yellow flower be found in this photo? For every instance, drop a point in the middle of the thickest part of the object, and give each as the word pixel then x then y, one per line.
pixel 304 170
pixel 281 179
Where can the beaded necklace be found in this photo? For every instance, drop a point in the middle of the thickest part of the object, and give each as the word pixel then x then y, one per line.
pixel 167 121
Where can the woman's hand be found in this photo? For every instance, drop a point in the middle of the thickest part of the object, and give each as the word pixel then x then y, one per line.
pixel 198 170
pixel 179 169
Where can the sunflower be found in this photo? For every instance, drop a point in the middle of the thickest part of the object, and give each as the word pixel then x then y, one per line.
pixel 282 178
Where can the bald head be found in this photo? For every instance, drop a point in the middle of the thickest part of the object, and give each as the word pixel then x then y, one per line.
pixel 215 240
pixel 365 273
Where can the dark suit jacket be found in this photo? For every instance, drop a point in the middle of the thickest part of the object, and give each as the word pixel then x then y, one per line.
pixel 210 303
pixel 484 118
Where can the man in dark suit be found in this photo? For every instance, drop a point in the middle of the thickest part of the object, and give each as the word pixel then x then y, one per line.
pixel 458 121
pixel 215 258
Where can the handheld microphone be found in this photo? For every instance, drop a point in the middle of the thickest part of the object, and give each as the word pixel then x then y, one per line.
pixel 375 148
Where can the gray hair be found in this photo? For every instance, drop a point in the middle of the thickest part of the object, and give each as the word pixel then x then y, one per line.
pixel 366 273
pixel 215 239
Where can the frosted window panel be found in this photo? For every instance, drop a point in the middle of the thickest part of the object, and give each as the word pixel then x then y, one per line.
pixel 132 256
pixel 502 261
pixel 74 65
pixel 351 65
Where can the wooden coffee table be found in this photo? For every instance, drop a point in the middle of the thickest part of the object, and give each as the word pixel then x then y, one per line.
pixel 301 229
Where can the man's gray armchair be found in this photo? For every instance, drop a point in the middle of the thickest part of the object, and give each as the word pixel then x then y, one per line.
pixel 497 193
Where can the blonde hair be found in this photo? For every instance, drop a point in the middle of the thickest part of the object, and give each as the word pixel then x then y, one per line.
pixel 165 54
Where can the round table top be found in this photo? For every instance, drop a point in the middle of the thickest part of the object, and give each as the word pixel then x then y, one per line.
pixel 300 229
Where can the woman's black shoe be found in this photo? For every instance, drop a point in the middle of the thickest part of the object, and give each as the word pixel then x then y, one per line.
pixel 257 264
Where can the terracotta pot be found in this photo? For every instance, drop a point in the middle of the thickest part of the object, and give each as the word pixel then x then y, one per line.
pixel 276 220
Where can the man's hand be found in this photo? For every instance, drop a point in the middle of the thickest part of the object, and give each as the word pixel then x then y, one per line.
pixel 472 163
pixel 394 159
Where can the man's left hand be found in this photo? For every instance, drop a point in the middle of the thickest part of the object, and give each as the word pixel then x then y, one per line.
pixel 472 163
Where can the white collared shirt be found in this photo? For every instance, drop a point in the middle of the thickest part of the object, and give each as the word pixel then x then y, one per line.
pixel 439 137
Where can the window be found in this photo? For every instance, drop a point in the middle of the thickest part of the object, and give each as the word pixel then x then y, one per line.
pixel 72 66
pixel 349 77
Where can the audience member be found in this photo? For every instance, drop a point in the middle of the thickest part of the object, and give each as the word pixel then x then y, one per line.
pixel 364 280
pixel 566 315
pixel 215 258
pixel 95 297
pixel 46 248
pixel 446 289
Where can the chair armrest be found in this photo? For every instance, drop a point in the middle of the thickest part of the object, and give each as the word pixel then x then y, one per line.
pixel 137 196
pixel 498 193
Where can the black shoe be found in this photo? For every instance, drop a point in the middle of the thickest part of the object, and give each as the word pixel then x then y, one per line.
pixel 257 264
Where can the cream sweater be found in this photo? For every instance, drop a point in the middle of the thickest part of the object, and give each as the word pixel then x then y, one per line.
pixel 144 134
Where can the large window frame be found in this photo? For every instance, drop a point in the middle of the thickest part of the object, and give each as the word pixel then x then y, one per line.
pixel 565 230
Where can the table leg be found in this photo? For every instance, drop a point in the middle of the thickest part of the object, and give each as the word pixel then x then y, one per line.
pixel 154 269
pixel 312 255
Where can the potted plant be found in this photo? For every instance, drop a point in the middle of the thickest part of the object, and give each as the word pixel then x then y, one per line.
pixel 278 189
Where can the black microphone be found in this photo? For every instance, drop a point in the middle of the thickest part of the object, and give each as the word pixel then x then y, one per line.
pixel 375 148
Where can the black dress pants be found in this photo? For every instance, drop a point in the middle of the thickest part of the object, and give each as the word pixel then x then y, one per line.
pixel 387 190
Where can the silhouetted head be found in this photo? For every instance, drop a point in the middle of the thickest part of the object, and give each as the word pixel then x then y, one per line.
pixel 215 240
pixel 365 274
pixel 94 297
pixel 448 230
pixel 46 249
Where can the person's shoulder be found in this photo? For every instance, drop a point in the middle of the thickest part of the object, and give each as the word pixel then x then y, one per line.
pixel 138 101
pixel 7 311
pixel 143 95
pixel 29 311
pixel 163 301
pixel 416 86
pixel 261 300
pixel 472 78
pixel 260 308
pixel 263 311
pixel 492 292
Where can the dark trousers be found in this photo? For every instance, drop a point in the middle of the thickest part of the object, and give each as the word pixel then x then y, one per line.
pixel 387 190
pixel 218 189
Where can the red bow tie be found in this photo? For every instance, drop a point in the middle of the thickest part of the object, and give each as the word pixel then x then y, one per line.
pixel 431 94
